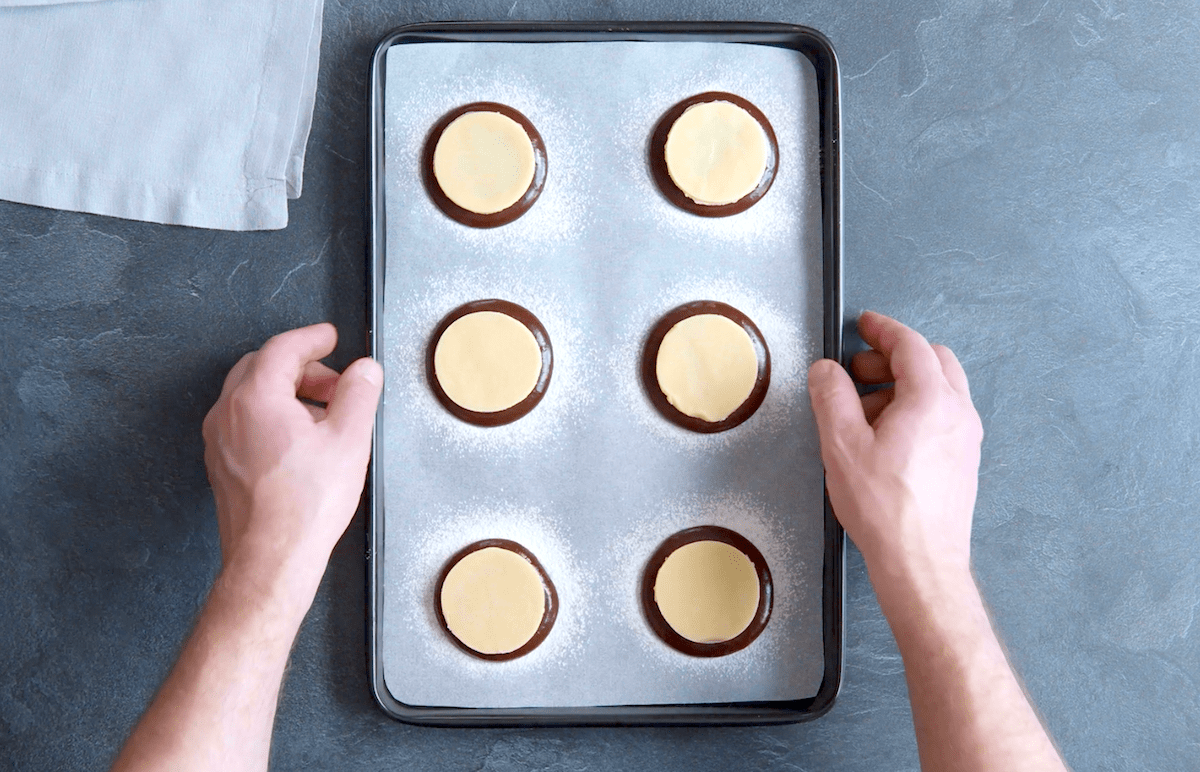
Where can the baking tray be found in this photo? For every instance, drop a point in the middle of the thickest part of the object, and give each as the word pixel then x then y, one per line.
pixel 819 52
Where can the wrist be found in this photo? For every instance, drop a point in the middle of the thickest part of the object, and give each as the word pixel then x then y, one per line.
pixel 271 578
pixel 924 594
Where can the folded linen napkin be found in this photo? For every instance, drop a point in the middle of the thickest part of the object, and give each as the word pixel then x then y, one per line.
pixel 190 112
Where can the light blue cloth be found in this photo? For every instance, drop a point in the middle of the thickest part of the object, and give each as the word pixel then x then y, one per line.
pixel 191 112
pixel 42 2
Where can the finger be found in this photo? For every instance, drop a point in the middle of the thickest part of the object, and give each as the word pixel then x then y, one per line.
pixel 352 409
pixel 952 369
pixel 285 355
pixel 916 368
pixel 836 405
pixel 871 367
pixel 317 382
pixel 876 402
pixel 318 413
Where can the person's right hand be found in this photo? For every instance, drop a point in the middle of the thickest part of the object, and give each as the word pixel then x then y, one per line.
pixel 288 475
pixel 901 463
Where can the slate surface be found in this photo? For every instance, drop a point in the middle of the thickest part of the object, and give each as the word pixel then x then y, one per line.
pixel 1021 184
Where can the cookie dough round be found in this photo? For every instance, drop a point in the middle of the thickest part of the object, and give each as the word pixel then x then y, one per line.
pixel 707 591
pixel 489 362
pixel 495 600
pixel 484 164
pixel 716 153
pixel 706 366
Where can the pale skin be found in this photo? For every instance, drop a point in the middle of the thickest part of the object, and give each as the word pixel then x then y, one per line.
pixel 287 477
pixel 901 467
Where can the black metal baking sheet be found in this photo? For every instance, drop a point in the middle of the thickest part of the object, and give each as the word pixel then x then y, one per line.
pixel 819 52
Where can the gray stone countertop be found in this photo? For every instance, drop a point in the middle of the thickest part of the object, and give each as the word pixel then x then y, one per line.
pixel 1021 184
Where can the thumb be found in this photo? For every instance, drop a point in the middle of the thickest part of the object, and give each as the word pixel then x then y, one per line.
pixel 836 404
pixel 355 398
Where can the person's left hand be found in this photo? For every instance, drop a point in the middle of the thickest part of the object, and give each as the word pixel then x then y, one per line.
pixel 288 475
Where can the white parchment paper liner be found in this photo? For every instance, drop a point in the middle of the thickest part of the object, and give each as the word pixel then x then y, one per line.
pixel 594 479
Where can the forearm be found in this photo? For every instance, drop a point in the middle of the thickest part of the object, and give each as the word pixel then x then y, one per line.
pixel 217 707
pixel 969 711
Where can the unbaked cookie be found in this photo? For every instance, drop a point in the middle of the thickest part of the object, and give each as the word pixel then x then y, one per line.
pixel 495 601
pixel 489 362
pixel 707 591
pixel 706 366
pixel 484 164
pixel 714 154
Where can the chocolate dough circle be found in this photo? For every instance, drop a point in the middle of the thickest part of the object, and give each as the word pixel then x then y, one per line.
pixel 658 159
pixel 548 615
pixel 650 374
pixel 466 216
pixel 663 629
pixel 522 408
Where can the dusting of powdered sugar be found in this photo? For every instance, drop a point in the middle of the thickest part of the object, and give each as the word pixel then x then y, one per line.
pixel 767 225
pixel 562 260
pixel 408 331
pixel 626 559
pixel 559 215
pixel 432 537
pixel 790 357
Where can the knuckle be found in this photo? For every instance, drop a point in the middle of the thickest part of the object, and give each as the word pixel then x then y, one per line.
pixel 243 399
pixel 269 348
pixel 245 363
pixel 925 401
pixel 842 449
pixel 969 423
pixel 905 334
pixel 825 390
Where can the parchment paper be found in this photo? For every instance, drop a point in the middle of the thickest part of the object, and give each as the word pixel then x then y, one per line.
pixel 594 479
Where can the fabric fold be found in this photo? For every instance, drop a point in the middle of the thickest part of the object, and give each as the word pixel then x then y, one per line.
pixel 188 112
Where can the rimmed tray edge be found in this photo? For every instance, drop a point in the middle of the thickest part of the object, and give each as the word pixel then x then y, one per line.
pixel 820 52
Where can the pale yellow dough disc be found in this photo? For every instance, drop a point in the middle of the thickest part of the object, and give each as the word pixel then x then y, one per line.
pixel 484 162
pixel 487 361
pixel 706 366
pixel 493 600
pixel 707 591
pixel 716 153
